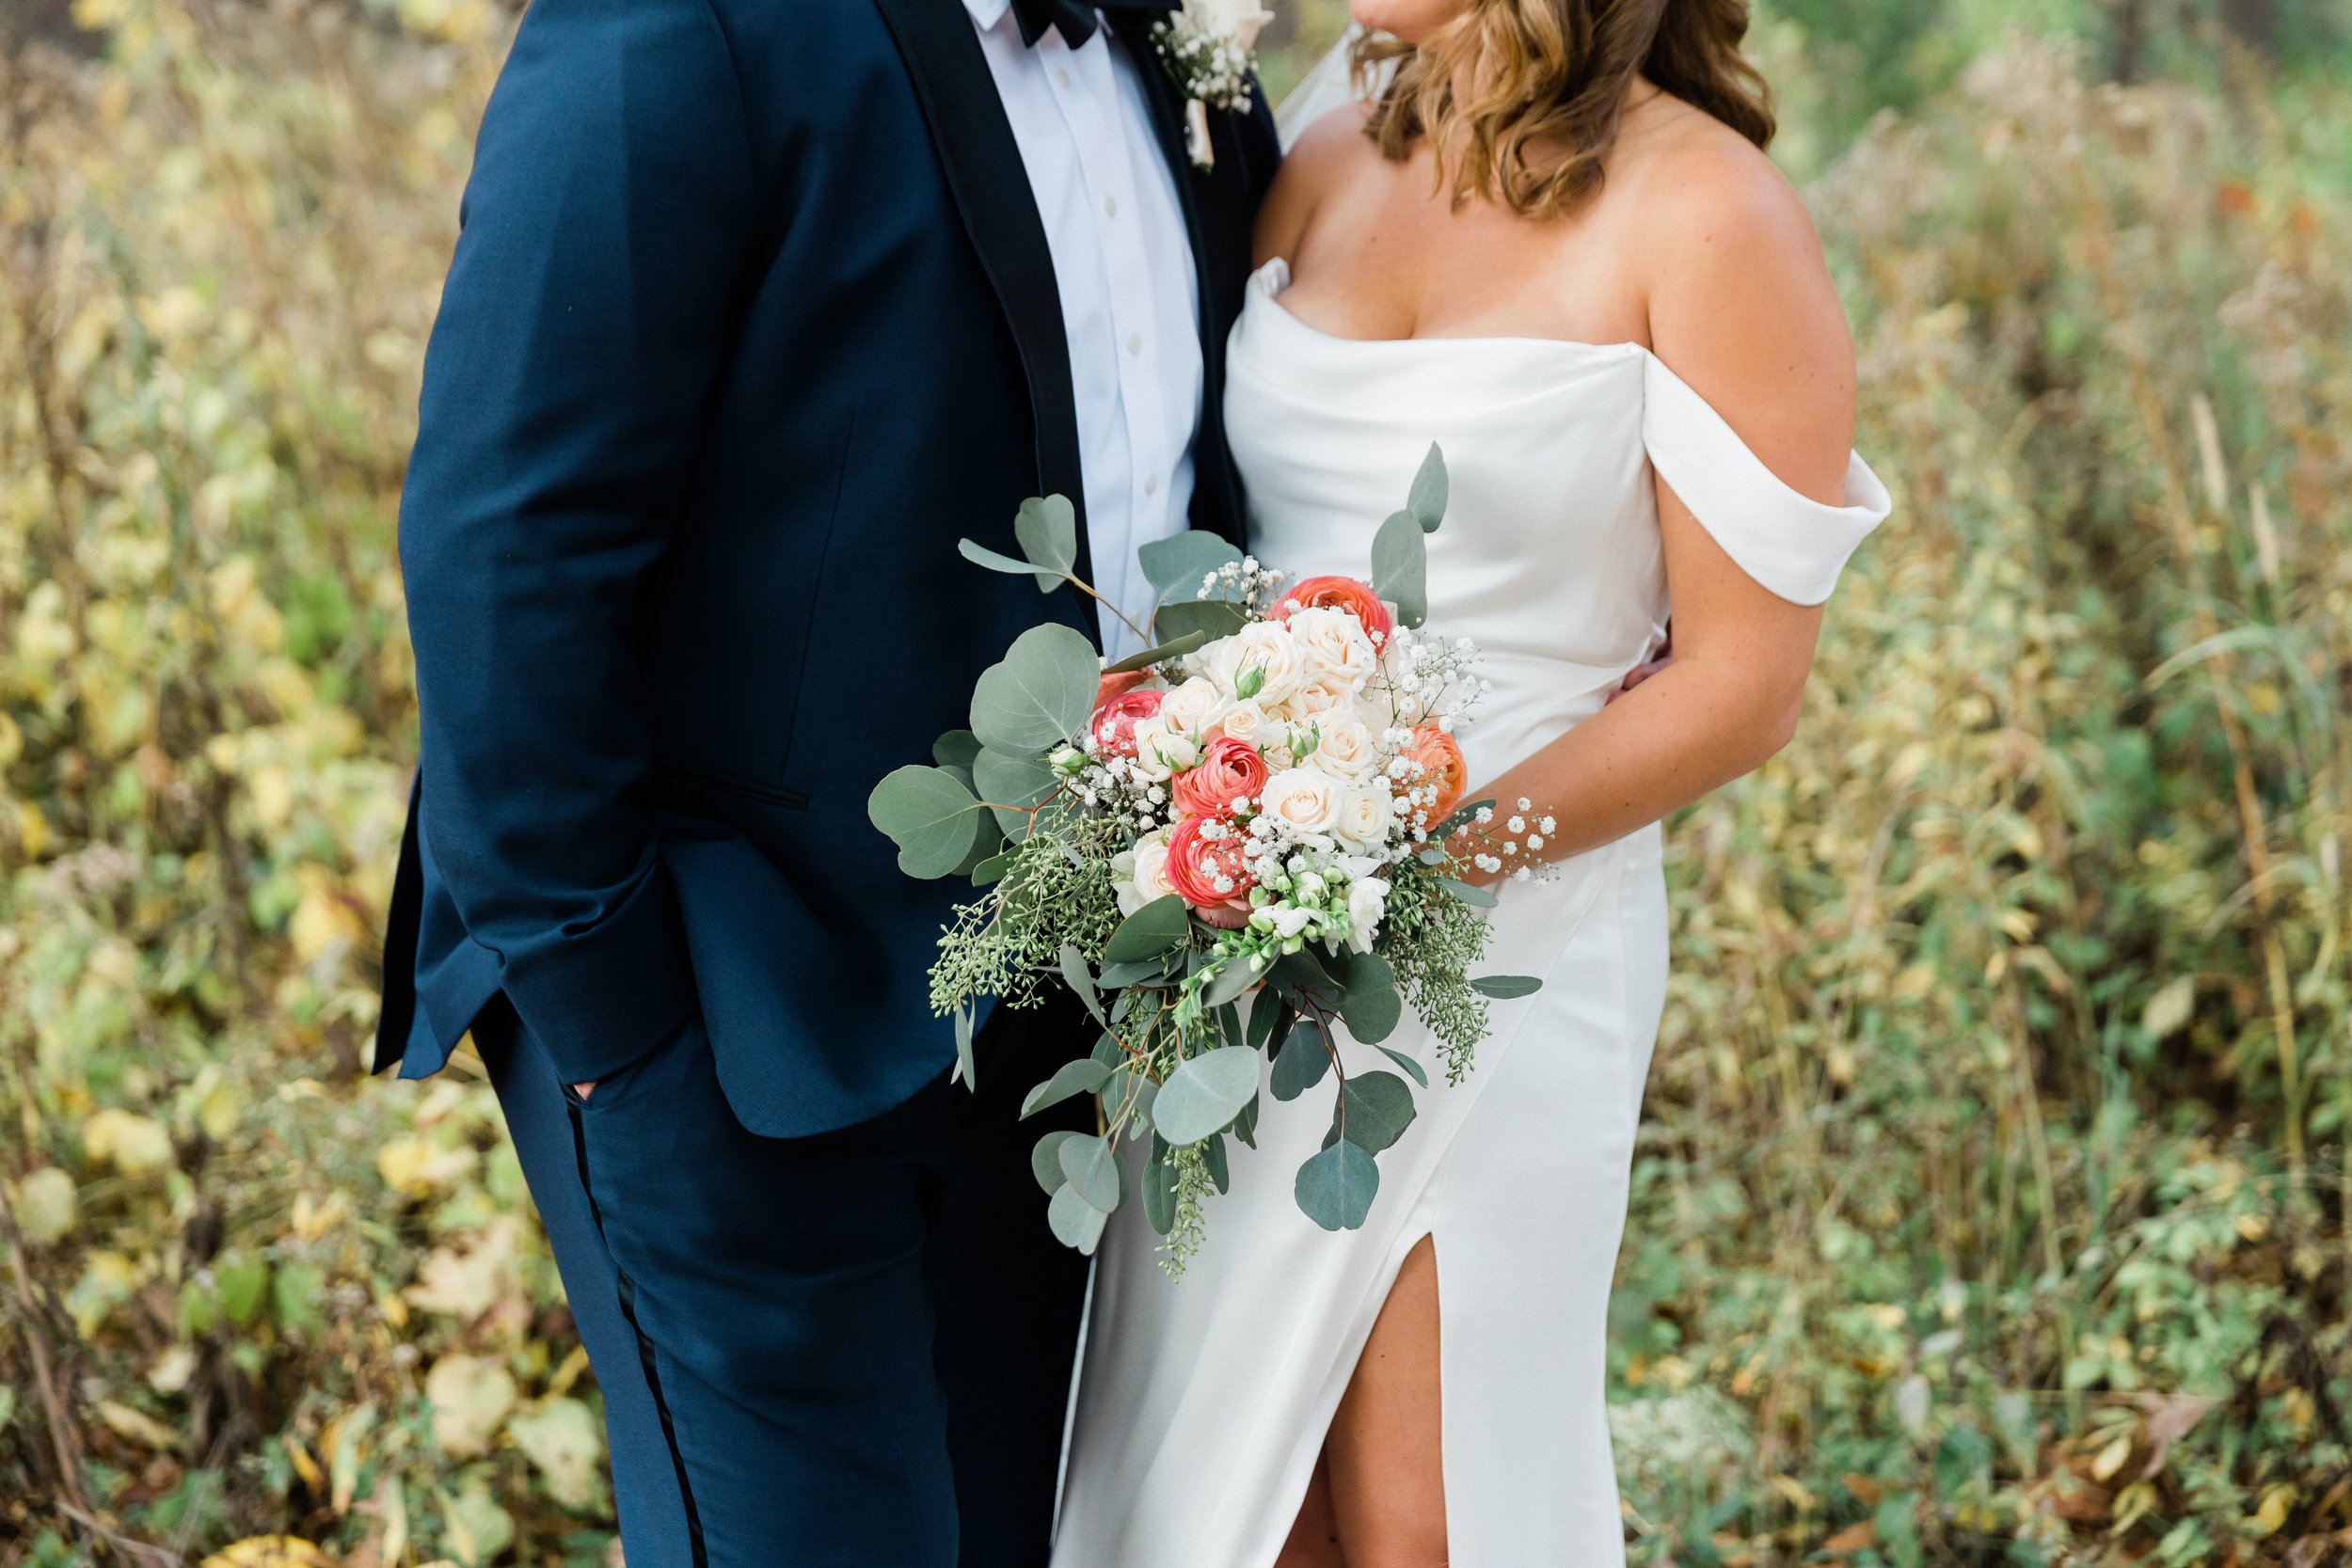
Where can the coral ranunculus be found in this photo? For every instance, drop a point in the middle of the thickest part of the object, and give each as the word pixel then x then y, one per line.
pixel 1440 758
pixel 1196 863
pixel 1227 770
pixel 1115 719
pixel 1347 593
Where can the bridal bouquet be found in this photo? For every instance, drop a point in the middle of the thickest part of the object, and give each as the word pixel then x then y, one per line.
pixel 1228 845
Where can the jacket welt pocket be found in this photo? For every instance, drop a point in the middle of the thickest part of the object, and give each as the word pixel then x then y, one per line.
pixel 701 779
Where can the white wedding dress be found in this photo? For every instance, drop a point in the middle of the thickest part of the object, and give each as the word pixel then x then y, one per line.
pixel 1202 1401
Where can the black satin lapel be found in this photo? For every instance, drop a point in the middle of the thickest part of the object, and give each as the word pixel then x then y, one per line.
pixel 983 166
pixel 1212 471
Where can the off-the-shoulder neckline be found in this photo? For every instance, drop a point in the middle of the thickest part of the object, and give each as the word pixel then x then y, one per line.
pixel 1266 284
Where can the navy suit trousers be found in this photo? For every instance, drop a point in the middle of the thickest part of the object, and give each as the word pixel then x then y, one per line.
pixel 852 1349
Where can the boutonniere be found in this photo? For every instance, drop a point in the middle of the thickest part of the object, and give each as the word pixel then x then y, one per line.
pixel 1207 47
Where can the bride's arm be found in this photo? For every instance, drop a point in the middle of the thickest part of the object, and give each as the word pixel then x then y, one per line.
pixel 1740 305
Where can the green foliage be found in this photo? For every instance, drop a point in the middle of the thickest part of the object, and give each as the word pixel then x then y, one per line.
pixel 1991 1202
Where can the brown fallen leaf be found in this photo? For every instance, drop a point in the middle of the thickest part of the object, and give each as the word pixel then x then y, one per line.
pixel 2170 1418
pixel 1853 1537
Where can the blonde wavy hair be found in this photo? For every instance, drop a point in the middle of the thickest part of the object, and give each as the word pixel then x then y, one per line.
pixel 1520 100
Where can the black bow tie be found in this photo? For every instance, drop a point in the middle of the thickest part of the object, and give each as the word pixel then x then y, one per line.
pixel 1075 19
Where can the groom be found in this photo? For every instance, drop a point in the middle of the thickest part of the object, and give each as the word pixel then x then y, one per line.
pixel 758 305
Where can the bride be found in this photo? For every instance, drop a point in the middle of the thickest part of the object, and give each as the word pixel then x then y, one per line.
pixel 1551 243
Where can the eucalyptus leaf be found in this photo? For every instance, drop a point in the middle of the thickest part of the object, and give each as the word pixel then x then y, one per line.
pixel 1081 982
pixel 1039 694
pixel 986 849
pixel 1428 498
pixel 980 555
pixel 1221 1169
pixel 1420 1076
pixel 1469 892
pixel 965 1069
pixel 1083 1076
pixel 1231 981
pixel 1178 565
pixel 1075 1222
pixel 1009 785
pixel 1211 618
pixel 1371 1005
pixel 1175 648
pixel 1152 973
pixel 1159 1191
pixel 1335 1189
pixel 1246 1125
pixel 1400 567
pixel 1092 1167
pixel 1206 1093
pixel 931 817
pixel 1149 932
pixel 993 868
pixel 1045 1160
pixel 1108 1052
pixel 1268 1016
pixel 1304 1059
pixel 1374 1110
pixel 1506 986
pixel 956 749
pixel 1047 527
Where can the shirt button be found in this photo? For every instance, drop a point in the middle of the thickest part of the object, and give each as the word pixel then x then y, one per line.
pixel 1063 77
pixel 1135 342
pixel 1151 484
pixel 1110 206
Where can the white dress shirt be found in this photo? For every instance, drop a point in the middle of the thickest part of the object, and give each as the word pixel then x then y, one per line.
pixel 1123 266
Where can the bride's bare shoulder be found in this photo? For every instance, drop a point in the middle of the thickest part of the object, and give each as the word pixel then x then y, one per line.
pixel 1327 155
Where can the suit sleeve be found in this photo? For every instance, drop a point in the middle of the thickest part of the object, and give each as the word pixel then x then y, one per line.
pixel 585 319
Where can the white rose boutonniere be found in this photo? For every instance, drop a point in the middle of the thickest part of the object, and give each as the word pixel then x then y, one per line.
pixel 1207 47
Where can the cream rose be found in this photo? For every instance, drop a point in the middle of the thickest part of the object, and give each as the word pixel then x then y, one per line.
pixel 1346 747
pixel 1193 708
pixel 1145 872
pixel 1250 724
pixel 1318 702
pixel 1367 901
pixel 1306 798
pixel 1238 19
pixel 1267 648
pixel 1364 816
pixel 1160 751
pixel 1336 646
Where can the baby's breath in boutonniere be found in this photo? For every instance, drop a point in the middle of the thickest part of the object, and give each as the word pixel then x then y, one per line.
pixel 1207 48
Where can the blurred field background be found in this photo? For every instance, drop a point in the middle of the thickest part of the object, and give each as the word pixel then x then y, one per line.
pixel 1992 1206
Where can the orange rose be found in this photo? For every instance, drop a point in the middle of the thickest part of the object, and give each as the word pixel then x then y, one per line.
pixel 1346 593
pixel 1440 758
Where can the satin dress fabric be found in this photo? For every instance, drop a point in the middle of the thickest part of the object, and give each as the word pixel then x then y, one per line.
pixel 1204 1400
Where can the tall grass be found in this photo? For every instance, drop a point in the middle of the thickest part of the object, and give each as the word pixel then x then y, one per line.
pixel 1991 1200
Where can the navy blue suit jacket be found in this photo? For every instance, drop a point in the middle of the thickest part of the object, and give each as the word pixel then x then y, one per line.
pixel 752 316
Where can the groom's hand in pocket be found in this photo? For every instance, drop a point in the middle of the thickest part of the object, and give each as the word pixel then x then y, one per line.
pixel 584 1090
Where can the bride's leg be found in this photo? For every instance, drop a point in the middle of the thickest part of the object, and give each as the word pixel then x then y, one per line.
pixel 1388 1479
pixel 1314 1540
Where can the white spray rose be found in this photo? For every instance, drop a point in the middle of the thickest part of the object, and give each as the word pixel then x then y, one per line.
pixel 1346 747
pixel 1194 707
pixel 1160 751
pixel 1335 645
pixel 1266 648
pixel 1365 817
pixel 1143 872
pixel 1239 20
pixel 1250 724
pixel 1307 798
pixel 1315 700
pixel 1367 901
